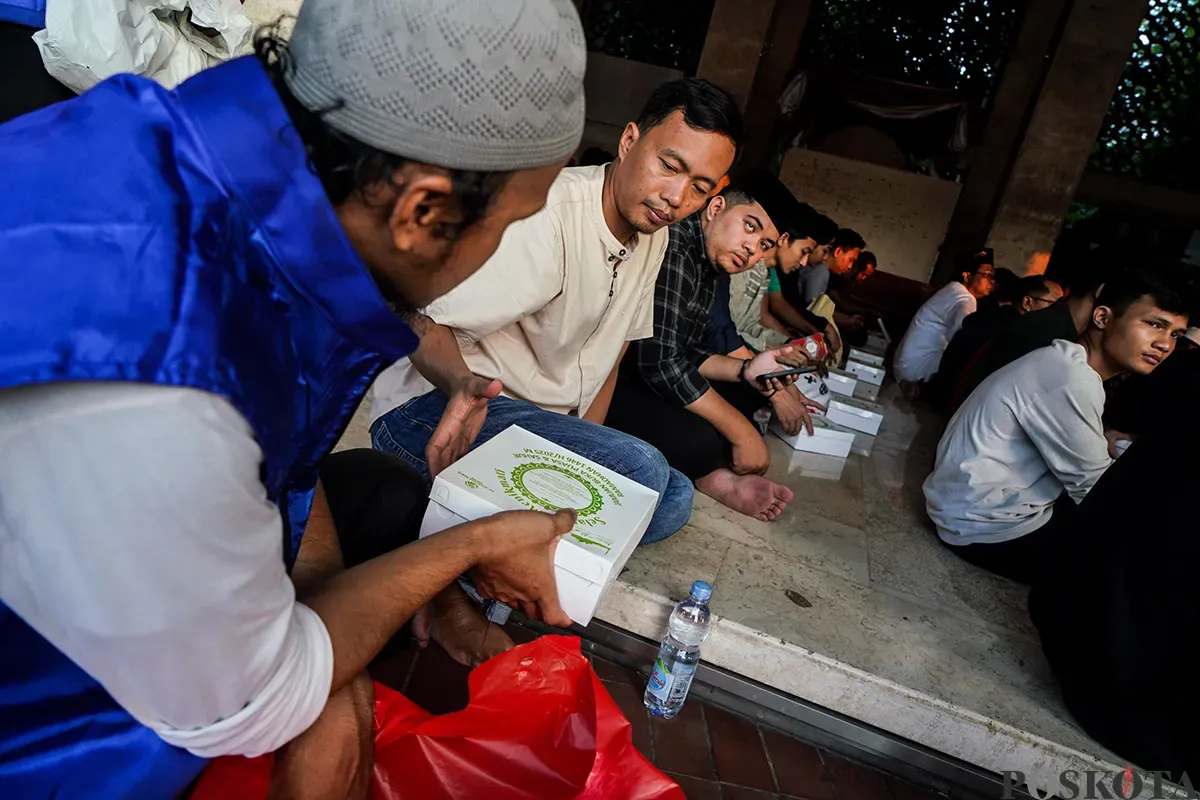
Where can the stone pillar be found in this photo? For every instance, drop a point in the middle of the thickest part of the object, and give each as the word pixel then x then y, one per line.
pixel 782 45
pixel 737 33
pixel 992 159
pixel 1085 71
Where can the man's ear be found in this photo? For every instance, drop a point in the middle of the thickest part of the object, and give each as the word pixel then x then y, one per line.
pixel 1027 304
pixel 783 241
pixel 715 207
pixel 423 207
pixel 1102 317
pixel 629 138
pixel 966 277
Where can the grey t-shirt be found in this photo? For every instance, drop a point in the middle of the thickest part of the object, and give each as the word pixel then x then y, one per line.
pixel 813 281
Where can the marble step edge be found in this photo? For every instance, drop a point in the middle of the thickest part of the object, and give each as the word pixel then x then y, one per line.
pixel 958 732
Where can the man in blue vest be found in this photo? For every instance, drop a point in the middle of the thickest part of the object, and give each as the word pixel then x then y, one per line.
pixel 196 289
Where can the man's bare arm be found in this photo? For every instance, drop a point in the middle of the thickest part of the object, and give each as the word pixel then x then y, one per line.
pixel 364 606
pixel 320 554
pixel 782 310
pixel 717 411
pixel 598 411
pixel 438 358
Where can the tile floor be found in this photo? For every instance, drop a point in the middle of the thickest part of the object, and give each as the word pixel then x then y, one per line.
pixel 849 601
pixel 710 753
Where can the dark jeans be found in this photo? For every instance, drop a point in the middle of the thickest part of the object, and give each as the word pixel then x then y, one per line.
pixel 690 444
pixel 1022 559
pixel 405 431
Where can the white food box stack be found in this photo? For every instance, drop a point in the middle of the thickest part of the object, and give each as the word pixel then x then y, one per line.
pixel 860 415
pixel 841 382
pixel 866 357
pixel 881 341
pixel 867 373
pixel 827 439
pixel 518 470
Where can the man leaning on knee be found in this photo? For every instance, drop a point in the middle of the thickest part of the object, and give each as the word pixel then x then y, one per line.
pixel 201 285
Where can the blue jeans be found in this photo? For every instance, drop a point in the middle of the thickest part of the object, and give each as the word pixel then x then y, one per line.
pixel 405 431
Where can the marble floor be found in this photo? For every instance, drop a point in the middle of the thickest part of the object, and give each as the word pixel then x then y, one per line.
pixel 849 601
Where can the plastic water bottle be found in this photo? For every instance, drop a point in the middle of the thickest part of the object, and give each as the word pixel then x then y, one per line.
pixel 680 653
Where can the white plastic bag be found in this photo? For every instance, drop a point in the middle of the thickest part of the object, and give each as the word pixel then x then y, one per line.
pixel 86 41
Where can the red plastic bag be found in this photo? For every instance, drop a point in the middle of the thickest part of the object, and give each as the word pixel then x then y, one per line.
pixel 540 725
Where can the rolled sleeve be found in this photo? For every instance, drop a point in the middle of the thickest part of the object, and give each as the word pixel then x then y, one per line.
pixel 666 362
pixel 139 541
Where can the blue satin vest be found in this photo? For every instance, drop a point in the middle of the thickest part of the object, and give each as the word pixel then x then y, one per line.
pixel 176 238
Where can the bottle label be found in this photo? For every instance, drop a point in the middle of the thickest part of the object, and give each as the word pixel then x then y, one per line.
pixel 671 686
pixel 681 683
pixel 660 681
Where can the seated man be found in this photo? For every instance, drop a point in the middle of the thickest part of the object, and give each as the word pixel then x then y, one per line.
pixel 1029 443
pixel 920 350
pixel 1066 319
pixel 841 287
pixel 208 280
pixel 798 286
pixel 1116 606
pixel 739 316
pixel 552 339
pixel 1136 405
pixel 691 403
pixel 792 317
pixel 853 317
pixel 1011 301
pixel 721 334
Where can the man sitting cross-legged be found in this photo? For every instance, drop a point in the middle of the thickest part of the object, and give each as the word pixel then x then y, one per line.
pixel 688 401
pixel 1029 443
pixel 938 320
pixel 548 317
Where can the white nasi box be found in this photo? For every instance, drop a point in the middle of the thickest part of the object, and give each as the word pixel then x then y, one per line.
pixel 841 382
pixel 859 415
pixel 880 341
pixel 866 391
pixel 517 470
pixel 868 373
pixel 863 357
pixel 827 438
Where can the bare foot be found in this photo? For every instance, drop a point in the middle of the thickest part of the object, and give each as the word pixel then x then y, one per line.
pixel 456 623
pixel 752 495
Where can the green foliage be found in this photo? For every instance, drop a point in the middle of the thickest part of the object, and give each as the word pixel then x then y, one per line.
pixel 1151 125
pixel 667 33
pixel 949 44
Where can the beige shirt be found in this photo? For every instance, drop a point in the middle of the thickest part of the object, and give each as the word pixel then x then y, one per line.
pixel 549 313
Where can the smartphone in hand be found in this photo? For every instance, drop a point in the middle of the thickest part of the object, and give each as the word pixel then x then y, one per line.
pixel 785 373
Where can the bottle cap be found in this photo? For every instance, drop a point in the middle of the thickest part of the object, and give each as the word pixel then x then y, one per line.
pixel 701 591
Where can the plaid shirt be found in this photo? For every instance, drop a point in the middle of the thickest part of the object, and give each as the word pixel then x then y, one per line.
pixel 683 298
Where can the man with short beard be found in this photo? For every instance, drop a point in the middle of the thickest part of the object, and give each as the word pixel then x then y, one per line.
pixel 675 392
pixel 535 337
pixel 198 286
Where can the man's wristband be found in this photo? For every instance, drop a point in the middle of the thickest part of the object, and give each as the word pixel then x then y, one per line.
pixel 742 371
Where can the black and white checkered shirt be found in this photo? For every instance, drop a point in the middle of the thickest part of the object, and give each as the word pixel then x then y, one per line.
pixel 683 297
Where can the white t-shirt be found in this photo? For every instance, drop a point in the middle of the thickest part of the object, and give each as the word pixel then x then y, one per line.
pixel 137 538
pixel 920 351
pixel 549 313
pixel 1030 431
